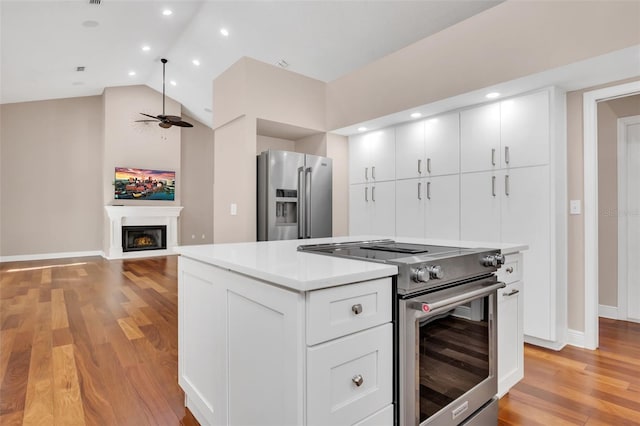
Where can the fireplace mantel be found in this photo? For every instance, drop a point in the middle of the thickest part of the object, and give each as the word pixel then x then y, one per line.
pixel 119 216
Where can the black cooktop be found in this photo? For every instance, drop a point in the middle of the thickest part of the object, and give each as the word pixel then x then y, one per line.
pixel 383 250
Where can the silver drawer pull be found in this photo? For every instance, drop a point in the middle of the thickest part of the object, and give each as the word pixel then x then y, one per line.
pixel 509 270
pixel 511 293
pixel 356 309
pixel 357 380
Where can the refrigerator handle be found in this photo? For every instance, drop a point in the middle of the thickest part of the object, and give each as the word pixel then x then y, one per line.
pixel 307 202
pixel 300 202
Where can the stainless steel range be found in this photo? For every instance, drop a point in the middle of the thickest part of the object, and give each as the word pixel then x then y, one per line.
pixel 445 326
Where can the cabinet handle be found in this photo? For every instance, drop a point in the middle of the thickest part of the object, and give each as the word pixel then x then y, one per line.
pixel 493 156
pixel 373 172
pixel 356 309
pixel 509 270
pixel 419 190
pixel 428 165
pixel 511 293
pixel 357 380
pixel 419 166
pixel 493 186
pixel 366 173
pixel 506 185
pixel 373 193
pixel 428 190
pixel 366 194
pixel 506 154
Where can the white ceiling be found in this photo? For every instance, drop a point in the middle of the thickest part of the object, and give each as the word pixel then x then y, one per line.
pixel 42 42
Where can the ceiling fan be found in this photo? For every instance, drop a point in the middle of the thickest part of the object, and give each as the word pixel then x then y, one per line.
pixel 165 121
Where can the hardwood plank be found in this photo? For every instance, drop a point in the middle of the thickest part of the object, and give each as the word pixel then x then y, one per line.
pixel 130 328
pixel 39 407
pixel 58 309
pixel 67 402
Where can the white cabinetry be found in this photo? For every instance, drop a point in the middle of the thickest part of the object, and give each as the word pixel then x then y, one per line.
pixel 428 207
pixel 251 353
pixel 372 157
pixel 510 324
pixel 429 147
pixel 372 209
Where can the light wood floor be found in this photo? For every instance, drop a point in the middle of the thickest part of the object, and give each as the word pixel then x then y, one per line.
pixel 94 342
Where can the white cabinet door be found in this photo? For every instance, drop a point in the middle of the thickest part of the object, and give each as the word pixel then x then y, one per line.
pixel 510 336
pixel 350 378
pixel 480 138
pixel 359 206
pixel 480 206
pixel 410 202
pixel 382 154
pixel 358 159
pixel 442 207
pixel 526 219
pixel 410 159
pixel 442 144
pixel 524 130
pixel 383 208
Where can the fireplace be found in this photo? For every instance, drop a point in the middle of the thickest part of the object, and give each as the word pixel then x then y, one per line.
pixel 138 238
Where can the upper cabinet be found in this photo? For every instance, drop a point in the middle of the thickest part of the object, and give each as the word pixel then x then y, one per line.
pixel 372 157
pixel 429 147
pixel 511 133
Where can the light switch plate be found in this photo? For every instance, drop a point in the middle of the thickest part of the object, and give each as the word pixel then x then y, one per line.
pixel 575 207
pixel 234 209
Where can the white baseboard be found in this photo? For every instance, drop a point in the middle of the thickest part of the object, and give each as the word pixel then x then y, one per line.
pixel 610 312
pixel 45 256
pixel 575 338
pixel 553 345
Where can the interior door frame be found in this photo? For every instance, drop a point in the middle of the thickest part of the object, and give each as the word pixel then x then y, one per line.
pixel 623 255
pixel 590 146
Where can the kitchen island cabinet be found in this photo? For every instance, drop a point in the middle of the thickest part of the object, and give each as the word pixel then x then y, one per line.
pixel 272 336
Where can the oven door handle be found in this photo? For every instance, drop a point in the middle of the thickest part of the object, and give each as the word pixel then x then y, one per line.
pixel 465 295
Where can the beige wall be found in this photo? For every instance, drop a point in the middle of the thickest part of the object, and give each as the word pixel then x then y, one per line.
pixel 264 143
pixel 138 145
pixel 50 176
pixel 196 166
pixel 313 145
pixel 575 191
pixel 338 151
pixel 508 41
pixel 608 114
pixel 235 181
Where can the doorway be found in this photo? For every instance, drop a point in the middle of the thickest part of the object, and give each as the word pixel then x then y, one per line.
pixel 591 214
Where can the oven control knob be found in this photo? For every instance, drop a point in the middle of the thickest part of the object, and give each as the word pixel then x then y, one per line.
pixel 435 272
pixel 420 275
pixel 495 260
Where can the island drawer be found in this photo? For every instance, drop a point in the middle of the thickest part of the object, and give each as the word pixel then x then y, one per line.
pixel 511 271
pixel 351 378
pixel 338 311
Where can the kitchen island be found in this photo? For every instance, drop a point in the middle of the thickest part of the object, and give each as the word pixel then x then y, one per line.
pixel 272 336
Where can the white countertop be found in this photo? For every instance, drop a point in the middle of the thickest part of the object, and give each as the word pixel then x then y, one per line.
pixel 280 263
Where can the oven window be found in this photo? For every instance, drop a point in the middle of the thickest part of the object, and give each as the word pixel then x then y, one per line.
pixel 453 355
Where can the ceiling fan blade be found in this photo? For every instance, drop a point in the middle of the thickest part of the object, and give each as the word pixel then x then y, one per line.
pixel 152 116
pixel 146 121
pixel 171 118
pixel 181 124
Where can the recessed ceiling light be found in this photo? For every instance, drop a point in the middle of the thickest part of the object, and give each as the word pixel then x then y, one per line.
pixel 167 12
pixel 90 24
pixel 196 62
pixel 492 95
pixel 132 73
pixel 362 129
pixel 173 82
pixel 146 48
pixel 224 32
pixel 416 115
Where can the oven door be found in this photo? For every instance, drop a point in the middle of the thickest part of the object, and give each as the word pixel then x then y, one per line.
pixel 448 353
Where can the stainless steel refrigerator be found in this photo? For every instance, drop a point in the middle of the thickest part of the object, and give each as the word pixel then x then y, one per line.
pixel 294 196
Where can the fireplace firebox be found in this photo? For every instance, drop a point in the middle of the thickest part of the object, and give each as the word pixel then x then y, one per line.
pixel 138 238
